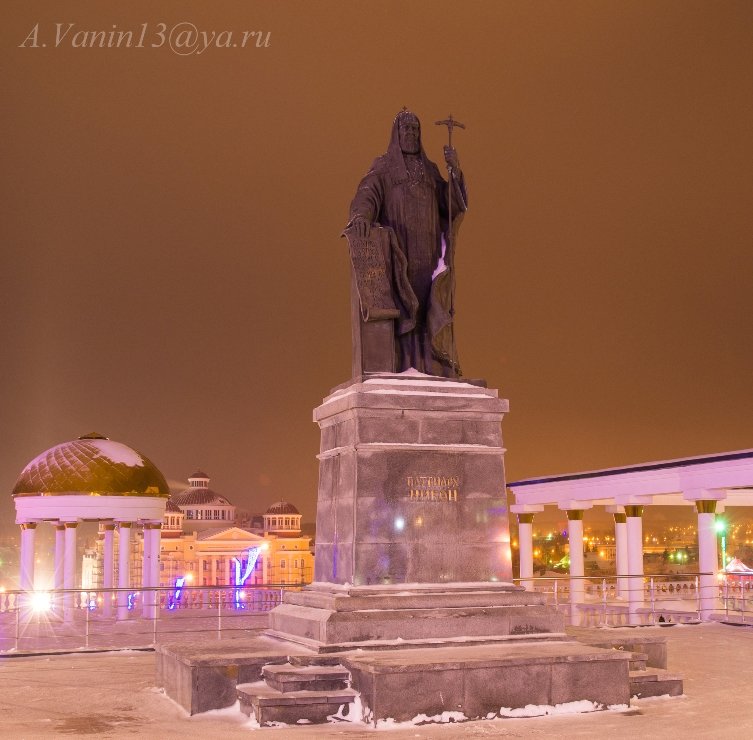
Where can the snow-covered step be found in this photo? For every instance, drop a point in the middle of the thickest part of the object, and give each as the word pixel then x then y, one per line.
pixel 269 705
pixel 655 682
pixel 287 678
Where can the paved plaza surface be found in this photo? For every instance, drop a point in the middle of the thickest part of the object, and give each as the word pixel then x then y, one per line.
pixel 112 695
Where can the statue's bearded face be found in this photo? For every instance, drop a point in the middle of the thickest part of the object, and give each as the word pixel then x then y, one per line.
pixel 409 132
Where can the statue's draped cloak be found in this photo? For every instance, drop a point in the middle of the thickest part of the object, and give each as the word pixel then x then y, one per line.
pixel 407 194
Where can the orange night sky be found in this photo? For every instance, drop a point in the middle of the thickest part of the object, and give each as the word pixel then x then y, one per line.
pixel 173 277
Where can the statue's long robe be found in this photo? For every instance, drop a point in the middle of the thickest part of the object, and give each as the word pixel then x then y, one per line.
pixel 410 197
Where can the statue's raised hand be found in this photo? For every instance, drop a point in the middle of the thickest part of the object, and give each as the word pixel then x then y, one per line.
pixel 451 157
pixel 361 226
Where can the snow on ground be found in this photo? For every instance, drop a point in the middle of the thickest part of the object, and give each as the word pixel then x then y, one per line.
pixel 112 695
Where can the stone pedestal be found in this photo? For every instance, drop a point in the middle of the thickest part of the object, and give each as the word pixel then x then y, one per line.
pixel 412 598
pixel 412 525
pixel 411 483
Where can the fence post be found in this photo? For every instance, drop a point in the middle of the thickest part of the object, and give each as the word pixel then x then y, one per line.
pixel 556 597
pixel 698 596
pixel 604 598
pixel 155 617
pixel 652 594
pixel 219 615
pixel 18 618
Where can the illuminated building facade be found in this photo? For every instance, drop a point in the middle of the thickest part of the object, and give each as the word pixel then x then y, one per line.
pixel 203 543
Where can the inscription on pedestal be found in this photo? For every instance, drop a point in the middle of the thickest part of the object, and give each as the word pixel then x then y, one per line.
pixel 433 487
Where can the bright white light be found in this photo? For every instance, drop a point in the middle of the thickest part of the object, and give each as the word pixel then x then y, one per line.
pixel 399 524
pixel 264 545
pixel 41 601
pixel 189 577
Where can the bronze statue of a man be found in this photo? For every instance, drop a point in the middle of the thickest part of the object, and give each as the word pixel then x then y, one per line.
pixel 405 194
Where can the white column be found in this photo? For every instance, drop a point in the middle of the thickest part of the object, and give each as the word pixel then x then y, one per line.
pixel 59 555
pixel 124 564
pixel 621 552
pixel 107 569
pixel 151 567
pixel 26 579
pixel 634 528
pixel 525 548
pixel 214 570
pixel 575 539
pixel 146 573
pixel 708 558
pixel 69 570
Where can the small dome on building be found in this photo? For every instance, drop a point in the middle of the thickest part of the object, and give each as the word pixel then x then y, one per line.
pixel 199 496
pixel 91 465
pixel 199 493
pixel 282 507
pixel 172 507
pixel 198 480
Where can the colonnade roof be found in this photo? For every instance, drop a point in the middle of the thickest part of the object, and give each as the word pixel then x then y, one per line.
pixel 726 476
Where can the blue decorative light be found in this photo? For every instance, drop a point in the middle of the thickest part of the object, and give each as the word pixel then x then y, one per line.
pixel 247 564
pixel 174 601
pixel 131 600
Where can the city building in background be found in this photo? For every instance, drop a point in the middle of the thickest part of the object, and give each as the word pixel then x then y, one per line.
pixel 206 541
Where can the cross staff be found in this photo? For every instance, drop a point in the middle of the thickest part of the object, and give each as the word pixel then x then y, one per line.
pixel 450 122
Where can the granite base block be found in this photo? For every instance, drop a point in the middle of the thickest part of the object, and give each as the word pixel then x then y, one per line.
pixel 478 681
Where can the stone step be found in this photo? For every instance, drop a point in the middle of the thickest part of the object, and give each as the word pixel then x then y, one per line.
pixel 288 678
pixel 638 661
pixel 316 659
pixel 293 707
pixel 655 682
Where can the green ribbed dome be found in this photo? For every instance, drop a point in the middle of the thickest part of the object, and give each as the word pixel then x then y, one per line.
pixel 92 465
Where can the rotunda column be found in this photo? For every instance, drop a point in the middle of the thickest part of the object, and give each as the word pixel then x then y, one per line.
pixel 107 568
pixel 26 579
pixel 150 568
pixel 634 529
pixel 146 571
pixel 124 565
pixel 69 574
pixel 59 555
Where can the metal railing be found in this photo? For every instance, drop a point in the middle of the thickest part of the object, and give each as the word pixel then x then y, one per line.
pixel 642 599
pixel 60 619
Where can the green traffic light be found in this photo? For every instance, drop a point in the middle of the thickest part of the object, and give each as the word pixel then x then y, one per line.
pixel 720 525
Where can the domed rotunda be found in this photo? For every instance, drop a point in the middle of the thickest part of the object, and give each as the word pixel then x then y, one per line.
pixel 283 519
pixel 91 478
pixel 202 507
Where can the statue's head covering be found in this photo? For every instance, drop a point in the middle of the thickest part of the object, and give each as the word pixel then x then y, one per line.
pixel 395 153
pixel 395 136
